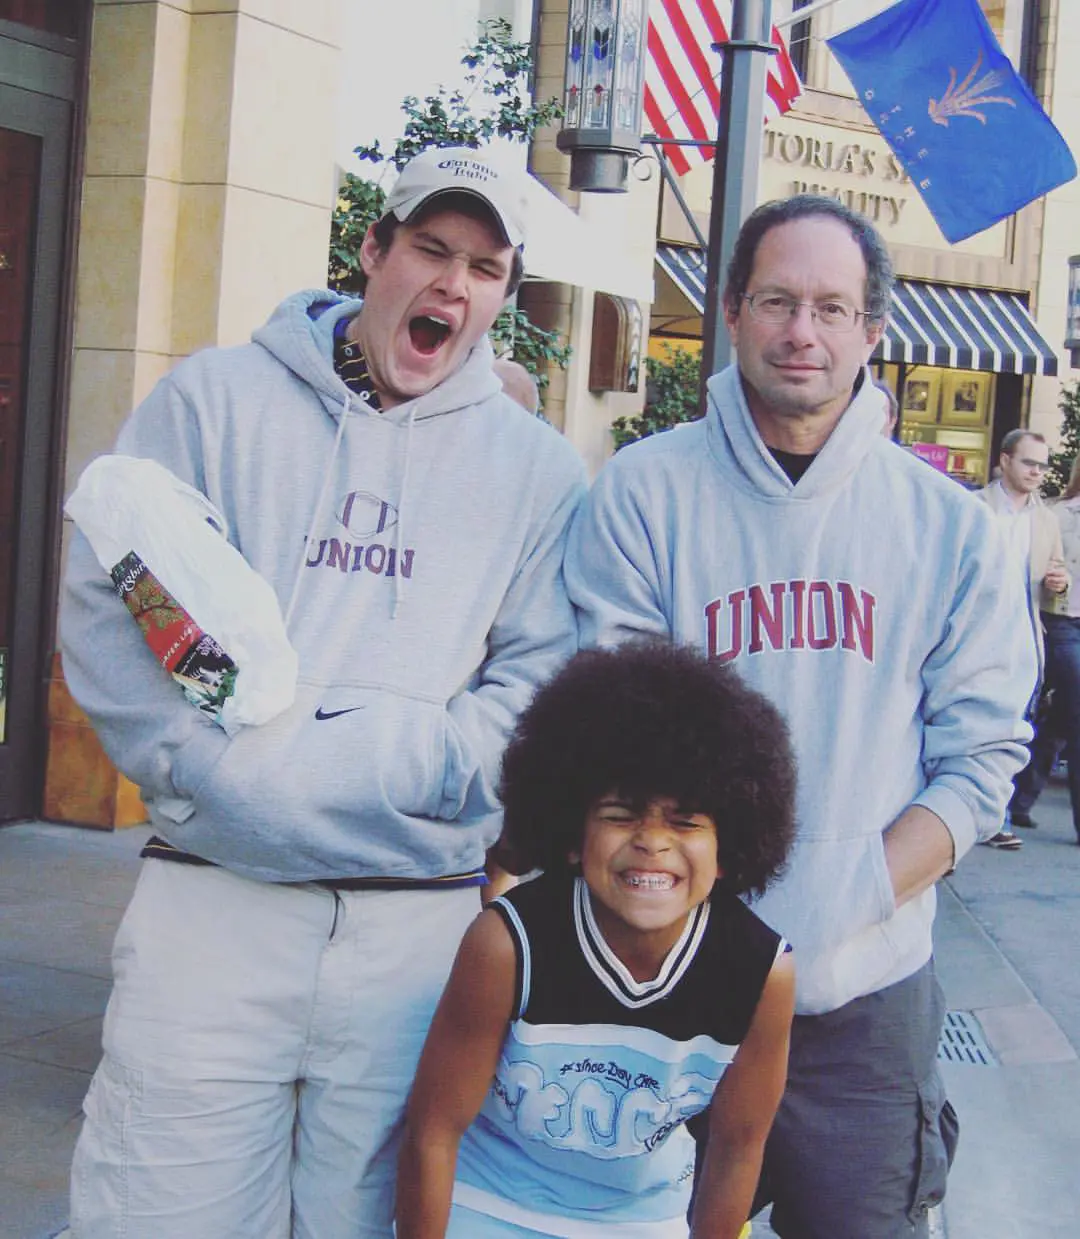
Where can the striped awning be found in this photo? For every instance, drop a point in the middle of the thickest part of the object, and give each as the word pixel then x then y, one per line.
pixel 685 264
pixel 929 324
pixel 964 328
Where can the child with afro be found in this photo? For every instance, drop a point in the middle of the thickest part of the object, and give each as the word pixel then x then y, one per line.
pixel 595 1009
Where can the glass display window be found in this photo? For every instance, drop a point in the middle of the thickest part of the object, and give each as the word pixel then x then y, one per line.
pixel 920 401
pixel 950 409
pixel 965 398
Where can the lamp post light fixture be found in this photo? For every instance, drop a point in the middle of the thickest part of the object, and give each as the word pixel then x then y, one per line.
pixel 605 57
pixel 736 164
pixel 605 81
pixel 1072 313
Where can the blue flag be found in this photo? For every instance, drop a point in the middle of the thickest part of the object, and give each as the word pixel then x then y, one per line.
pixel 961 121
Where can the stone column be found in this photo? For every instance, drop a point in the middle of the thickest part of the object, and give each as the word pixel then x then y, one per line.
pixel 206 195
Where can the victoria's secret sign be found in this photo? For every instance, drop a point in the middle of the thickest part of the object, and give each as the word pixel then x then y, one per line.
pixel 824 164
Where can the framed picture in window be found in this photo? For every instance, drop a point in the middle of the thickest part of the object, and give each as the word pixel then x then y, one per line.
pixel 966 398
pixel 920 396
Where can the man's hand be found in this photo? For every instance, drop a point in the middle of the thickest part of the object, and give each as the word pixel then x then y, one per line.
pixel 1056 579
pixel 918 851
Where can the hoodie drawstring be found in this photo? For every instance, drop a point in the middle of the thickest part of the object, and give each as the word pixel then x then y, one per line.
pixel 317 515
pixel 400 539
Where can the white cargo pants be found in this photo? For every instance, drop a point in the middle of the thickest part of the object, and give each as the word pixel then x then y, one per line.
pixel 259 1045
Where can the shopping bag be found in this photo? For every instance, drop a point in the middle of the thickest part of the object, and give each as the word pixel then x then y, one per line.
pixel 212 622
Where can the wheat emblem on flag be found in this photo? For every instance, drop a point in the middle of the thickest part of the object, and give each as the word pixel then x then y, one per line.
pixel 966 98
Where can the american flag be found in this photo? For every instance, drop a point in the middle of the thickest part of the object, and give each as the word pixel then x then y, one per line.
pixel 682 76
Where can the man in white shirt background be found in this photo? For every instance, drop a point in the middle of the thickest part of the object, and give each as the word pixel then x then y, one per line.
pixel 1034 540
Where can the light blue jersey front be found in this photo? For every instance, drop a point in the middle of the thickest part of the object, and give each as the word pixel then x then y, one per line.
pixel 575 1110
pixel 583 1131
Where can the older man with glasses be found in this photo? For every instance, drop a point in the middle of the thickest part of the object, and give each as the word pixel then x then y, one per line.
pixel 1036 553
pixel 862 593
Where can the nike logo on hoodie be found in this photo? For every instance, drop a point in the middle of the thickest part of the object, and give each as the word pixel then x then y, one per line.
pixel 322 715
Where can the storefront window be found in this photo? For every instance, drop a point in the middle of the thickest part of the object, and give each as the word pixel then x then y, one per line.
pixel 949 411
pixel 819 69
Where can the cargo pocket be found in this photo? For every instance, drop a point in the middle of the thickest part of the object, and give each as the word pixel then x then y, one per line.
pixel 99 1173
pixel 939 1130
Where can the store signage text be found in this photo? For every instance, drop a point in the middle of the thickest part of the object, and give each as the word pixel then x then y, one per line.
pixel 849 158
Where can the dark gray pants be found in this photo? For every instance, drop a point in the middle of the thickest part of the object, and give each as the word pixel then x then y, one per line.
pixel 864 1137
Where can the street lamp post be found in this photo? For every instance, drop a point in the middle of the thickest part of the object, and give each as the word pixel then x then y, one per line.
pixel 601 130
pixel 604 84
pixel 737 162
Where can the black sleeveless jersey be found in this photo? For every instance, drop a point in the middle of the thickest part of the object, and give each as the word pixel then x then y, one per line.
pixel 710 983
pixel 599 1073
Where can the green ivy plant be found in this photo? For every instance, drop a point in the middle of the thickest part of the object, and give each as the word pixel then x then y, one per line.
pixel 497 72
pixel 671 397
pixel 359 204
pixel 516 335
pixel 1057 476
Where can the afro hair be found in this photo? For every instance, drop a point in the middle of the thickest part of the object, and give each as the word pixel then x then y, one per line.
pixel 645 720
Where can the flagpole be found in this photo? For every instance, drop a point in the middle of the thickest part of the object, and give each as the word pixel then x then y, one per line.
pixel 737 162
pixel 798 15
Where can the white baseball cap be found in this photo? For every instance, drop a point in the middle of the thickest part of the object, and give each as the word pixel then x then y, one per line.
pixel 462 170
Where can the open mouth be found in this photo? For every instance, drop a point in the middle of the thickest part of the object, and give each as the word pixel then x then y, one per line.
pixel 649 881
pixel 428 333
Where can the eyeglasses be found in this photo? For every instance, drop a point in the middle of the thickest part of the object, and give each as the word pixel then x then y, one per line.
pixel 1039 466
pixel 777 308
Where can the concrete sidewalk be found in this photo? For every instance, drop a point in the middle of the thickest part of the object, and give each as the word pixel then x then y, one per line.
pixel 1016 1173
pixel 62 892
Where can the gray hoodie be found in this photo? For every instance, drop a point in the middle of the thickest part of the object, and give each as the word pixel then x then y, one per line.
pixel 417 554
pixel 870 603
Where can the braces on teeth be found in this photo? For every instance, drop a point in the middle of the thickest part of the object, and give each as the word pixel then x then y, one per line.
pixel 651 881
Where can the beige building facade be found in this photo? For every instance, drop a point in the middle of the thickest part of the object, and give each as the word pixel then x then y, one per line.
pixel 1058 52
pixel 167 169
pixel 192 192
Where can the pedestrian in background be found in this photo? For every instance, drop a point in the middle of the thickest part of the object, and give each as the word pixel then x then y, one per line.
pixel 518 384
pixel 892 408
pixel 1034 553
pixel 863 594
pixel 1058 728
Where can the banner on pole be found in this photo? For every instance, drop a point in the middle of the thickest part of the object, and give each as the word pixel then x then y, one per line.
pixel 957 115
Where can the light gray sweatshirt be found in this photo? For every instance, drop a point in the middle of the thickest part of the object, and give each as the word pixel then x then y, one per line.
pixel 872 604
pixel 417 554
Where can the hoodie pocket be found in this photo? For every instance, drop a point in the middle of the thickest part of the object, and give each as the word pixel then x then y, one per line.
pixel 343 754
pixel 841 939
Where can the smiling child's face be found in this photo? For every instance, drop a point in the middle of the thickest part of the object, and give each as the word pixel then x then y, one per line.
pixel 646 869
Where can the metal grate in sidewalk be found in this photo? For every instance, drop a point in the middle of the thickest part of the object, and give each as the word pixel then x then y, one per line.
pixel 962 1041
